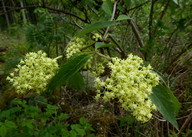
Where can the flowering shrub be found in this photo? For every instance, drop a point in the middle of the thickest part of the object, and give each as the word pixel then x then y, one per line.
pixel 33 73
pixel 131 83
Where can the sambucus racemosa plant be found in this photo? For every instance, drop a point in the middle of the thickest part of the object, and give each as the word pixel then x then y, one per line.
pixel 127 79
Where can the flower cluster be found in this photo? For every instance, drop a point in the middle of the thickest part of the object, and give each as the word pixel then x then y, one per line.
pixel 75 46
pixel 99 69
pixel 131 83
pixel 92 66
pixel 33 73
pixel 97 36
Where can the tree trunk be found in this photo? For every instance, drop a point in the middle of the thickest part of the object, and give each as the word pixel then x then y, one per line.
pixel 6 15
pixel 23 13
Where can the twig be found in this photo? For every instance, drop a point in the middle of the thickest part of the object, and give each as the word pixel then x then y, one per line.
pixel 161 16
pixel 77 24
pixel 142 4
pixel 178 56
pixel 123 54
pixel 49 8
pixel 102 55
pixel 67 12
pixel 86 16
pixel 87 47
pixel 151 19
pixel 112 17
pixel 182 117
pixel 162 120
pixel 176 30
pixel 186 103
pixel 141 133
pixel 187 121
pixel 136 32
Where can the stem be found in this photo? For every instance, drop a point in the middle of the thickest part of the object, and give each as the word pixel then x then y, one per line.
pixel 123 54
pixel 138 6
pixel 87 47
pixel 103 55
pixel 161 17
pixel 151 19
pixel 112 17
pixel 58 57
pixel 137 35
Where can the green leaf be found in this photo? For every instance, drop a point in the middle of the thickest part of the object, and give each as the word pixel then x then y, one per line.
pixel 166 103
pixel 80 131
pixel 96 26
pixel 28 124
pixel 76 81
pixel 40 100
pixel 63 116
pixel 91 135
pixel 73 133
pixel 107 6
pixel 127 120
pixel 10 124
pixel 51 109
pixel 103 45
pixel 9 113
pixel 75 126
pixel 128 3
pixel 176 2
pixel 83 121
pixel 123 17
pixel 67 70
pixel 3 131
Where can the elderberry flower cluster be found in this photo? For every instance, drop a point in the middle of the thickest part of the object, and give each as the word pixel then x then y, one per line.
pixel 33 73
pixel 75 46
pixel 97 36
pixel 92 65
pixel 131 83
